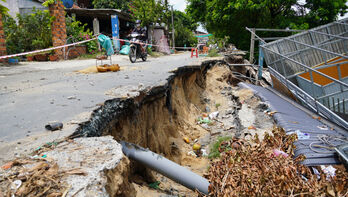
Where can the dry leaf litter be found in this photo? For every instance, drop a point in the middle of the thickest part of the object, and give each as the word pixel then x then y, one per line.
pixel 254 170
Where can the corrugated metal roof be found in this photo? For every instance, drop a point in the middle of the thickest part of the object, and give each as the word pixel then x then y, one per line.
pixel 291 117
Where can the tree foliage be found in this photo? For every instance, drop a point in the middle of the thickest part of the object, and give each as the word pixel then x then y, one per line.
pixel 230 17
pixel 3 10
pixel 324 11
pixel 33 31
pixel 149 11
pixel 112 4
pixel 184 25
pixel 77 31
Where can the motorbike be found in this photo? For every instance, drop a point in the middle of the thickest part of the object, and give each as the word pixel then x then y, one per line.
pixel 137 50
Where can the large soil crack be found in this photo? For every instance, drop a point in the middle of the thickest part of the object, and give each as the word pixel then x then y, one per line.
pixel 161 117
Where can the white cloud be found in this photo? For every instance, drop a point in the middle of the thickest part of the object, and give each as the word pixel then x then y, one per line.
pixel 179 4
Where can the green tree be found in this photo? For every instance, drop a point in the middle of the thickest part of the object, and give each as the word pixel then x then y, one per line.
pixel 112 4
pixel 324 11
pixel 230 17
pixel 184 25
pixel 3 9
pixel 149 11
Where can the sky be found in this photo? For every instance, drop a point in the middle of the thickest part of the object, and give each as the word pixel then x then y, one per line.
pixel 178 4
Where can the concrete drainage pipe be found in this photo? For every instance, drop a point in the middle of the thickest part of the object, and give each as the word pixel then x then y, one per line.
pixel 166 167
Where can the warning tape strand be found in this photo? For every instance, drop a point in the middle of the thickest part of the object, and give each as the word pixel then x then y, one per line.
pixel 76 43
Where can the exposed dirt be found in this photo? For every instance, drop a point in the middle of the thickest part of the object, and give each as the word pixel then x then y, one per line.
pixel 170 119
pixel 161 118
pixel 118 183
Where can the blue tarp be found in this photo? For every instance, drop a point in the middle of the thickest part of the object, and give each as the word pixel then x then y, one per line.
pixel 203 36
pixel 125 50
pixel 106 43
pixel 68 3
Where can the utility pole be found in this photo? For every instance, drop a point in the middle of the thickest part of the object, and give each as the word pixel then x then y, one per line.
pixel 173 30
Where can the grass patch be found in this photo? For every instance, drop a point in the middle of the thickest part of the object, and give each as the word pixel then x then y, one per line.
pixel 213 53
pixel 152 53
pixel 214 148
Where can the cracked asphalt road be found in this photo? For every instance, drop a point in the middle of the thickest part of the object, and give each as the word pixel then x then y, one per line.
pixel 33 94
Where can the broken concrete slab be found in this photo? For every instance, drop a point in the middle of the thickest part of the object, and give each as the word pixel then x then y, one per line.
pixel 94 156
pixel 83 167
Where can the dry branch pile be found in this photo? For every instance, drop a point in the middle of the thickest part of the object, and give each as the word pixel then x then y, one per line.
pixel 36 177
pixel 245 170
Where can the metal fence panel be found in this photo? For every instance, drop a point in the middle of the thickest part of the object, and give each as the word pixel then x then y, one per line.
pixel 297 54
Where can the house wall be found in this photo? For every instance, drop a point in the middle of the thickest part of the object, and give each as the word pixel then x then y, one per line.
pixel 26 6
pixel 21 6
pixel 12 5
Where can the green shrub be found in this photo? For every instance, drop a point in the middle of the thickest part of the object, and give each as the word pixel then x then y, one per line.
pixel 76 31
pixel 31 32
pixel 214 148
pixel 213 53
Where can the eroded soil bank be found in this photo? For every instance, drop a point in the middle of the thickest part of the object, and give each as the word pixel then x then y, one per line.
pixel 161 117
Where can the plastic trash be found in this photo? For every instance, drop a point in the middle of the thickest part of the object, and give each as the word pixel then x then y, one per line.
pixel 196 147
pixel 53 126
pixel 154 185
pixel 329 171
pixel 186 139
pixel 125 50
pixel 191 153
pixel 204 153
pixel 214 115
pixel 316 172
pixel 323 127
pixel 106 43
pixel 204 120
pixel 7 165
pixel 277 153
pixel 16 184
pixel 300 135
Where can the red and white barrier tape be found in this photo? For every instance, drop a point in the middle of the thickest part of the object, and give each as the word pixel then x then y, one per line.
pixel 76 43
pixel 43 50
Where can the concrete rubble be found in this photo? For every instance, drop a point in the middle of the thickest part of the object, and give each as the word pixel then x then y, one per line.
pixel 89 167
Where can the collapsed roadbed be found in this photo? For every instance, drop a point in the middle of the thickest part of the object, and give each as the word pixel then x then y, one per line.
pixel 197 105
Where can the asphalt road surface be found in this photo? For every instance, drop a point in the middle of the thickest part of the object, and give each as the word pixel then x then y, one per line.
pixel 33 94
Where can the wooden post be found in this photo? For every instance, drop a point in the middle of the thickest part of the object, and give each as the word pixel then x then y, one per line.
pixel 252 46
pixel 96 29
